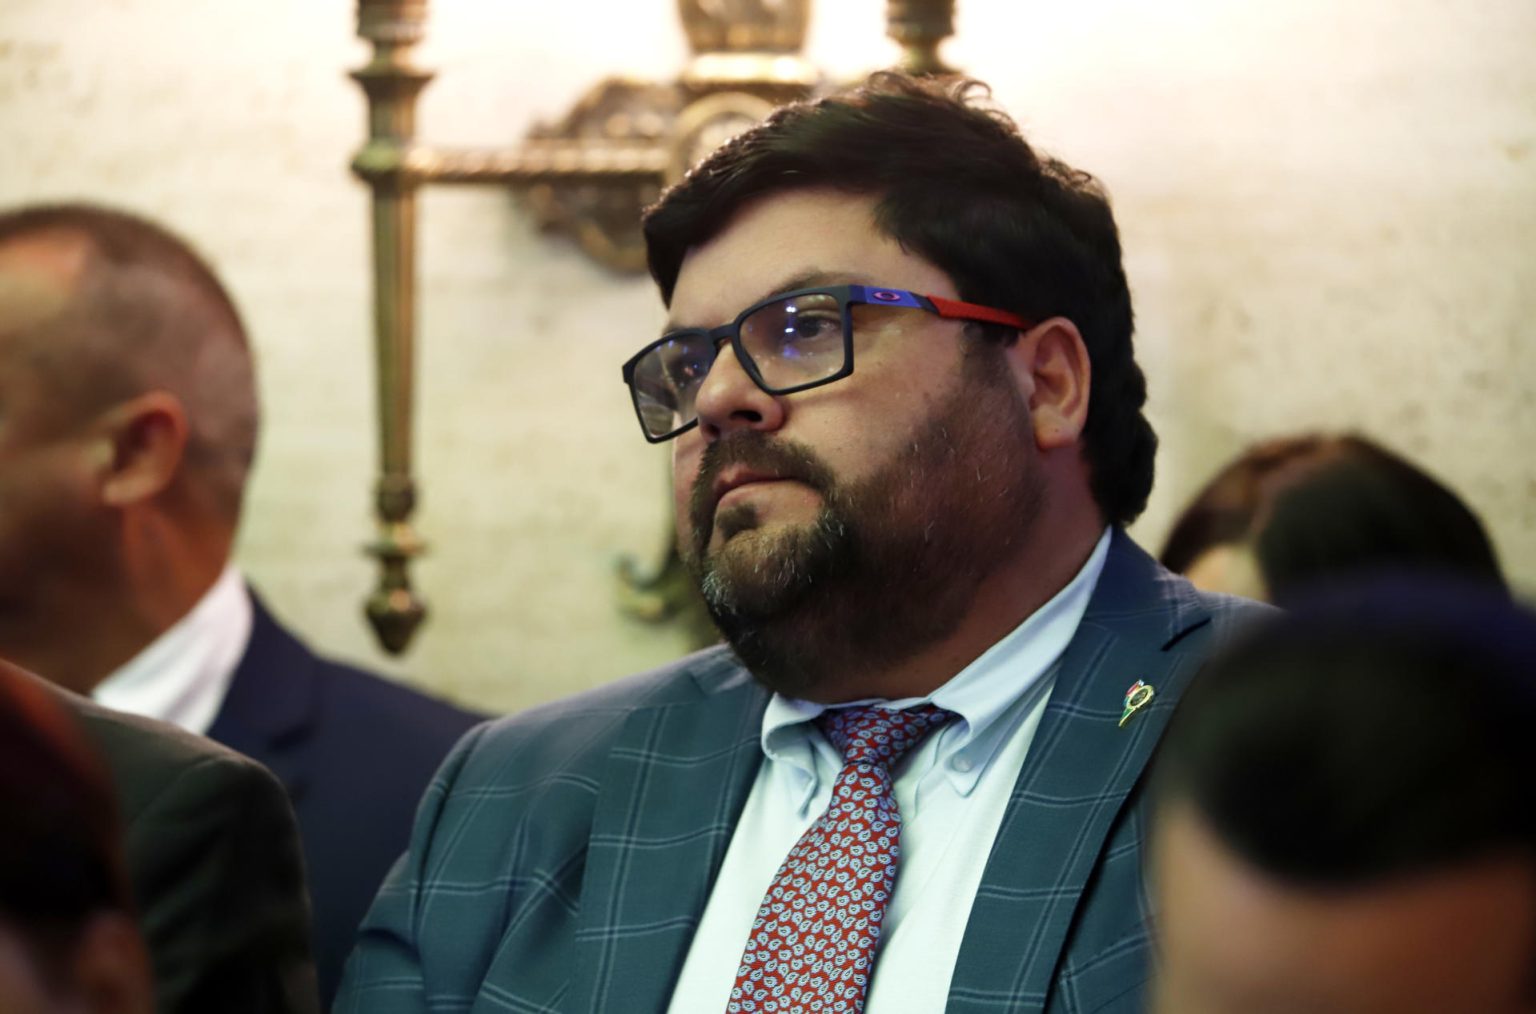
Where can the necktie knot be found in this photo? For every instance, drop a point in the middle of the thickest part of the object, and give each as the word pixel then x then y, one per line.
pixel 879 736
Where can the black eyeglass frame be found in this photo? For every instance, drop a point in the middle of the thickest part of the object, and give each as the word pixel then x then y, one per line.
pixel 847 296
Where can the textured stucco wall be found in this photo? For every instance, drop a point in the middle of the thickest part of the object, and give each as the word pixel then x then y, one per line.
pixel 1329 214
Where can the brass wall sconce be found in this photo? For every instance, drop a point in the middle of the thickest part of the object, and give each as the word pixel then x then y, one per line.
pixel 588 175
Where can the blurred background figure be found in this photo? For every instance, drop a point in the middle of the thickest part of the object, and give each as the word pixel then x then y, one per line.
pixel 210 846
pixel 130 422
pixel 68 941
pixel 1299 511
pixel 1345 815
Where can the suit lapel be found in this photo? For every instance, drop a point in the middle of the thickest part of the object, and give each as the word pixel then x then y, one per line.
pixel 1080 768
pixel 271 703
pixel 672 790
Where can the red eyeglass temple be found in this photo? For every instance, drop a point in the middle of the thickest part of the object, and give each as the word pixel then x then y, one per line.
pixel 971 311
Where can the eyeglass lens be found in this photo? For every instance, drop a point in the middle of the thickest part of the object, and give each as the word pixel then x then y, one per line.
pixel 789 342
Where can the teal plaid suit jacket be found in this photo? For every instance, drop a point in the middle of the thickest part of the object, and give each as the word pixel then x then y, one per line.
pixel 562 858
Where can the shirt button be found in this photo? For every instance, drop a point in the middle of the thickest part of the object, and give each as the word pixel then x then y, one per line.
pixel 961 764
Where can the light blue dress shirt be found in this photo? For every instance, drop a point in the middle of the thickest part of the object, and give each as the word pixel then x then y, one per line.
pixel 952 790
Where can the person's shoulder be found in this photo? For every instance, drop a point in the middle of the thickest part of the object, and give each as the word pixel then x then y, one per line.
pixel 1134 587
pixel 212 850
pixel 345 692
pixel 162 773
pixel 691 678
pixel 377 700
pixel 1231 614
pixel 152 750
pixel 564 734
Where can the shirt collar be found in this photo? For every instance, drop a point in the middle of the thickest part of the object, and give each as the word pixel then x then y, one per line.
pixel 991 696
pixel 183 675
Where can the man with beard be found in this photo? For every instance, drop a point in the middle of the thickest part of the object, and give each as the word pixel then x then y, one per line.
pixel 908 432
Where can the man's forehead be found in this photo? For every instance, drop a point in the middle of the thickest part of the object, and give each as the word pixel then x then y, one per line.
pixel 809 278
pixel 787 241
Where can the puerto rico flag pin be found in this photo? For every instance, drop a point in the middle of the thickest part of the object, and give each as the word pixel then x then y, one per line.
pixel 1135 698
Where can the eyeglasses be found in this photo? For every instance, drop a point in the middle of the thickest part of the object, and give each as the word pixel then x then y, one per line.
pixel 786 343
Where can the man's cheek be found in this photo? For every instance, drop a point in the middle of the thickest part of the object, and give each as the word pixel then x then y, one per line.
pixel 683 519
pixel 685 472
pixel 684 532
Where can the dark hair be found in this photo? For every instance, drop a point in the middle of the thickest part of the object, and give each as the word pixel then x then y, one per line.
pixel 147 312
pixel 60 841
pixel 1380 731
pixel 957 184
pixel 1314 508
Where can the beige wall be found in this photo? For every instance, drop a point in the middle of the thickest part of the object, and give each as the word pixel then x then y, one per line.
pixel 1329 213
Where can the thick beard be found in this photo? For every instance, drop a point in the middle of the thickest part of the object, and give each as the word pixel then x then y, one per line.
pixel 891 564
pixel 759 575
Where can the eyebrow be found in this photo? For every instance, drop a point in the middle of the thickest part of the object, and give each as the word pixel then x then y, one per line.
pixel 814 278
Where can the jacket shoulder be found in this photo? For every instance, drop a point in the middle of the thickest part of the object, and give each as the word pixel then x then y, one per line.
pixel 213 855
pixel 282 687
pixel 145 756
pixel 378 700
pixel 577 731
pixel 1230 615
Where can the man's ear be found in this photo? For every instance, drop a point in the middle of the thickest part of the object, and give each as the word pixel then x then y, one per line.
pixel 1050 365
pixel 139 448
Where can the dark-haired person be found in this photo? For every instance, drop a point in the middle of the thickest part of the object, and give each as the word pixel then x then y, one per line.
pixel 127 427
pixel 907 432
pixel 69 943
pixel 1345 816
pixel 1296 512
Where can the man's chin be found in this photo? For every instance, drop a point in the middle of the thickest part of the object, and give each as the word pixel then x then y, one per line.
pixel 753 542
pixel 761 572
pixel 749 577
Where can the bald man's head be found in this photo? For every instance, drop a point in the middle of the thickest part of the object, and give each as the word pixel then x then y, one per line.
pixel 98 307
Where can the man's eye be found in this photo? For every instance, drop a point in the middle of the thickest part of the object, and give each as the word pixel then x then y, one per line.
pixel 687 370
pixel 814 326
pixel 810 326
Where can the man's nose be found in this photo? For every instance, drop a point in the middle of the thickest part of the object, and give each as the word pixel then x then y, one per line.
pixel 730 400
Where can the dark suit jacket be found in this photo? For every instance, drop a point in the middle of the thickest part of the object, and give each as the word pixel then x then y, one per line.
pixel 355 752
pixel 563 857
pixel 213 856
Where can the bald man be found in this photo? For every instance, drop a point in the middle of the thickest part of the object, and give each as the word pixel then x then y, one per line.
pixel 128 422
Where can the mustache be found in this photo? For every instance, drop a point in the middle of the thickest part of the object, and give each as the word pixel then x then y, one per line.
pixel 759 452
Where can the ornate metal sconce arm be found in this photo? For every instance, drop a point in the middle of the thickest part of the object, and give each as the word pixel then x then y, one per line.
pixel 536 161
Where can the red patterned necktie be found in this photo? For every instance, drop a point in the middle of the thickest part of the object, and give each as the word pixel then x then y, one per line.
pixel 813 943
